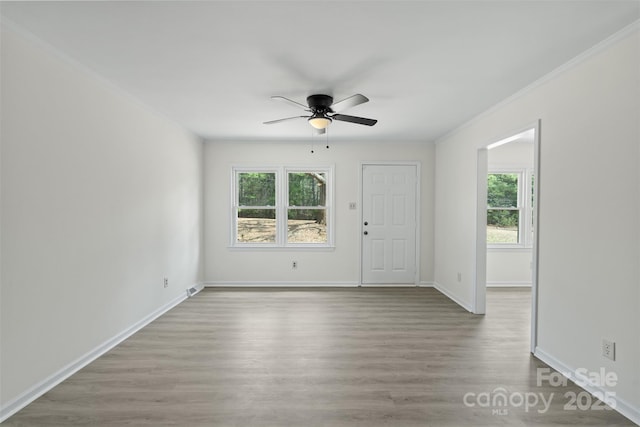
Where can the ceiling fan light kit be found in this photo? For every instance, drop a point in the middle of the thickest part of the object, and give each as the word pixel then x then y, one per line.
pixel 324 111
pixel 319 122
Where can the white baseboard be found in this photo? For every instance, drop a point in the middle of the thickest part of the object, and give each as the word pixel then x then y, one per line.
pixel 389 285
pixel 53 380
pixel 623 407
pixel 508 284
pixel 452 297
pixel 306 284
pixel 276 284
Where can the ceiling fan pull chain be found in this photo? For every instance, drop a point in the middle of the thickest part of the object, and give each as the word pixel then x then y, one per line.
pixel 327 134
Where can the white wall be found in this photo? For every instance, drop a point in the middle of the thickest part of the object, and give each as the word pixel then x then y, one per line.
pixel 101 199
pixel 589 209
pixel 508 266
pixel 338 267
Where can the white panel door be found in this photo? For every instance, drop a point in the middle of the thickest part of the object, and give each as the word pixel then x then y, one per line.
pixel 389 224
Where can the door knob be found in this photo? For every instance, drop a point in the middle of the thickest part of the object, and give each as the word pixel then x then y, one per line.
pixel 366 223
pixel 366 232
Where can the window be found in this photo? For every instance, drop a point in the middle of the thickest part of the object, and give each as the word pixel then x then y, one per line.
pixel 282 207
pixel 509 211
pixel 256 207
pixel 307 207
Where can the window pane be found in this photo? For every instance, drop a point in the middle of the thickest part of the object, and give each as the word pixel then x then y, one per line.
pixel 307 189
pixel 306 226
pixel 257 189
pixel 502 190
pixel 502 226
pixel 256 225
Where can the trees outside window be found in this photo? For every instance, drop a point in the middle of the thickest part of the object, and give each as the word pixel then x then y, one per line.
pixel 256 207
pixel 307 207
pixel 281 206
pixel 509 211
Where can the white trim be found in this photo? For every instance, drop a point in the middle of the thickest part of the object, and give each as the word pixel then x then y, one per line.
pixel 508 284
pixel 567 66
pixel 56 378
pixel 480 250
pixel 277 284
pixel 306 284
pixel 452 297
pixel 622 406
pixel 297 247
pixel 281 207
pixel 479 279
pixel 535 245
pixel 526 135
pixel 388 285
pixel 508 249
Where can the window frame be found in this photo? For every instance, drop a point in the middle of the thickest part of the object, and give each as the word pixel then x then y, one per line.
pixel 525 208
pixel 282 206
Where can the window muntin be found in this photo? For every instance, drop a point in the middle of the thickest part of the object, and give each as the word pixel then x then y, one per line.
pixel 282 207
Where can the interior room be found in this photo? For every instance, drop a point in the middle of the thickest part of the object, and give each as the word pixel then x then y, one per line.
pixel 340 213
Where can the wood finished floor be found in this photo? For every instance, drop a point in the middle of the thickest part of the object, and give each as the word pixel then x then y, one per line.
pixel 315 357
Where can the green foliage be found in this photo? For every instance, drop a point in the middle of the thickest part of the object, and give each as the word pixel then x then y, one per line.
pixel 307 189
pixel 502 218
pixel 502 192
pixel 257 189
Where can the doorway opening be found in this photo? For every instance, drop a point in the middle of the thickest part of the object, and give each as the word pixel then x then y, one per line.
pixel 507 218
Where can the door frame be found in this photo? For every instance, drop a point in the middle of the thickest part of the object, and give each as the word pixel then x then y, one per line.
pixel 360 213
pixel 480 286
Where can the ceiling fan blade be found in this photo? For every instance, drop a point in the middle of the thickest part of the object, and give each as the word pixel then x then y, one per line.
pixel 349 102
pixel 354 119
pixel 290 101
pixel 284 120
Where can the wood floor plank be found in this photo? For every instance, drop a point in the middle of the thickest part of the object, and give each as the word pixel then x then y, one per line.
pixel 316 357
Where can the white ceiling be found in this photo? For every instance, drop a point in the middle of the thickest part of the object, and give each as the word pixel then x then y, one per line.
pixel 426 66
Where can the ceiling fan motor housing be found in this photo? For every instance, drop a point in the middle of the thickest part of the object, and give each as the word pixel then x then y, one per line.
pixel 320 103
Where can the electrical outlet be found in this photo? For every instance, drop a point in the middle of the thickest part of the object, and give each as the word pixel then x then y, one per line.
pixel 609 349
pixel 166 282
pixel 352 205
pixel 294 265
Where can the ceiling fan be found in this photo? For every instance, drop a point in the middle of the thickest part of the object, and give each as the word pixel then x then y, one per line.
pixel 324 111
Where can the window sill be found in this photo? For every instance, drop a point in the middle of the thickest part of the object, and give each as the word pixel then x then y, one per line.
pixel 508 248
pixel 289 248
